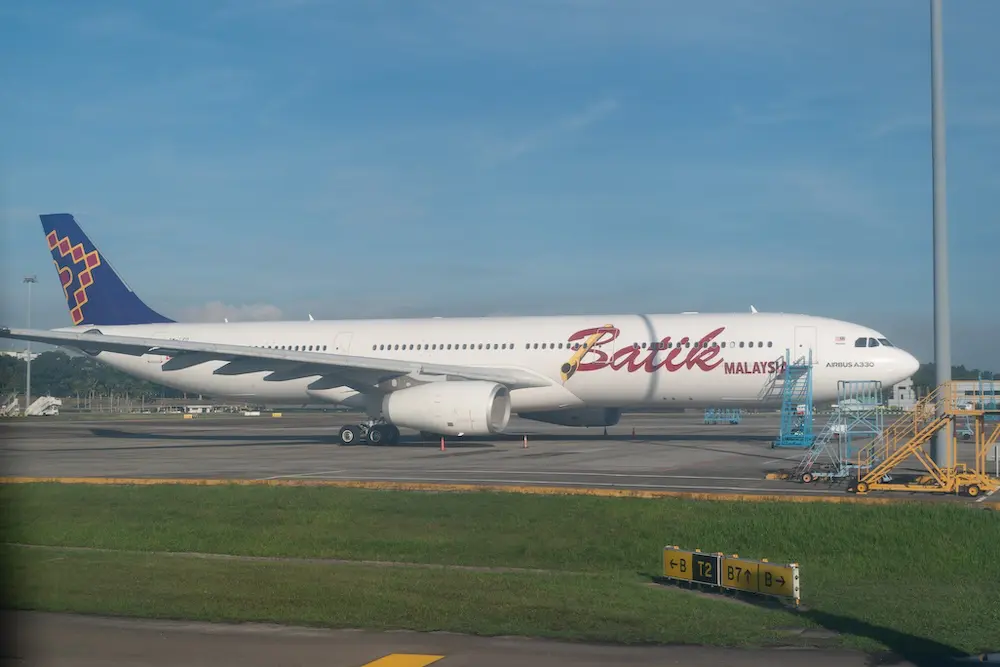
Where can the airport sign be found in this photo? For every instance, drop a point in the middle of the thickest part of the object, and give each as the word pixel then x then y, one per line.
pixel 760 577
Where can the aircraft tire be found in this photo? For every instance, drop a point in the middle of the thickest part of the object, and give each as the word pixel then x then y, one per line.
pixel 349 435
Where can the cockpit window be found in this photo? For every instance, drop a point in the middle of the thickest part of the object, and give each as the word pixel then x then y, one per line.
pixel 872 342
pixel 885 341
pixel 861 342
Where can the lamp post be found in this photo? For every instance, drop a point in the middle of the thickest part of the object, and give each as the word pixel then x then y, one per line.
pixel 27 384
pixel 941 445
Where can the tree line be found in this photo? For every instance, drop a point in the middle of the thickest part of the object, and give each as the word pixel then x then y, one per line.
pixel 63 375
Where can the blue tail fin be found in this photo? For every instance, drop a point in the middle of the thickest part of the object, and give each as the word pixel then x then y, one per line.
pixel 95 294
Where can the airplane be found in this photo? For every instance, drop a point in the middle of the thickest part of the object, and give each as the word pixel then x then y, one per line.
pixel 460 376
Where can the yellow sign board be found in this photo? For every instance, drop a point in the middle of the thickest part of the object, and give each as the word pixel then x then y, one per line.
pixel 740 574
pixel 693 566
pixel 732 572
pixel 677 564
pixel 779 580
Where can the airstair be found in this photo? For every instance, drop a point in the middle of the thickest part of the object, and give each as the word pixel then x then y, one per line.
pixel 904 440
pixel 43 405
pixel 855 423
pixel 10 407
pixel 796 403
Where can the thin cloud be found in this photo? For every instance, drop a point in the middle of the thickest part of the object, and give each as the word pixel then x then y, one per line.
pixel 594 113
pixel 216 311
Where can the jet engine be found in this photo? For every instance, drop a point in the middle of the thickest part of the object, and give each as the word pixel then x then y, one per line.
pixel 576 416
pixel 450 408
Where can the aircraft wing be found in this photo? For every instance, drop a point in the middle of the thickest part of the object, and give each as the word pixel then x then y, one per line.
pixel 284 364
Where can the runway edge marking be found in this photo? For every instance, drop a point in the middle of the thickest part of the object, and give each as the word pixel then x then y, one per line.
pixel 456 488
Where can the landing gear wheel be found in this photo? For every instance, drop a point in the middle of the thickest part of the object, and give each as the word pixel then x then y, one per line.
pixel 350 435
pixel 377 434
pixel 973 490
pixel 807 477
pixel 392 434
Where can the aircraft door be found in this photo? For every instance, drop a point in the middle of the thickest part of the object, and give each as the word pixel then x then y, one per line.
pixel 342 343
pixel 805 340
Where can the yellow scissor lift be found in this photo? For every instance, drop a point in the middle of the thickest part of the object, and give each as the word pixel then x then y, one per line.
pixel 907 436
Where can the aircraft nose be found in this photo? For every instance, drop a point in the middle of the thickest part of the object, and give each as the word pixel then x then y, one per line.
pixel 909 364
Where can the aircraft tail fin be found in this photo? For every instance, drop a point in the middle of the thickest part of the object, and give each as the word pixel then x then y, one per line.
pixel 95 293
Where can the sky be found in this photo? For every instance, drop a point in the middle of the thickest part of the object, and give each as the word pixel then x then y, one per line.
pixel 268 159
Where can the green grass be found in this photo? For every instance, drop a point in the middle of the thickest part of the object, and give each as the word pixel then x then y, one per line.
pixel 899 576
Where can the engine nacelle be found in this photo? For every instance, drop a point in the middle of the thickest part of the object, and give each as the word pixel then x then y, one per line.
pixel 450 408
pixel 576 416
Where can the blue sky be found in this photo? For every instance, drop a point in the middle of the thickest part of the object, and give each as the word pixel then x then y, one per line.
pixel 272 158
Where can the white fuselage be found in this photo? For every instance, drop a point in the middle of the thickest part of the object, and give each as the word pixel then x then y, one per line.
pixel 648 361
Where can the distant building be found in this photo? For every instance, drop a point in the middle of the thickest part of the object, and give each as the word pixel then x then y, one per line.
pixel 904 396
pixel 22 355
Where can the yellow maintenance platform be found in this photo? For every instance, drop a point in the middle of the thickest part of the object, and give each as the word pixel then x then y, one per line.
pixel 907 437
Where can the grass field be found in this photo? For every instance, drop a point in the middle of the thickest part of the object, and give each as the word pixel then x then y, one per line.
pixel 919 579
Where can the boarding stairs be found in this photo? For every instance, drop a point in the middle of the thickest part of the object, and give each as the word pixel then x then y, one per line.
pixel 857 414
pixel 774 384
pixel 796 391
pixel 906 437
pixel 11 407
pixel 44 405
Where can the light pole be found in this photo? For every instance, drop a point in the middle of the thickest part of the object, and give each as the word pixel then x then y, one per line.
pixel 941 445
pixel 27 384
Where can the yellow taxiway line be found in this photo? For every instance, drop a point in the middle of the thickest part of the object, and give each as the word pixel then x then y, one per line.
pixel 460 488
pixel 404 660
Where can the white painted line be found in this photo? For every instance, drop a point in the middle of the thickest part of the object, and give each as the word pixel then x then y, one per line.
pixel 535 482
pixel 772 461
pixel 303 474
pixel 589 474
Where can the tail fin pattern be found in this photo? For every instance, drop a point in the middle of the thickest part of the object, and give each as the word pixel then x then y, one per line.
pixel 95 294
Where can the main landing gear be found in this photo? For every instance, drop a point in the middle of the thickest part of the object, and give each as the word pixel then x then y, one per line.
pixel 374 432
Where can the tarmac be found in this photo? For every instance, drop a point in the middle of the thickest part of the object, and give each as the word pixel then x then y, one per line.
pixel 667 453
pixel 66 640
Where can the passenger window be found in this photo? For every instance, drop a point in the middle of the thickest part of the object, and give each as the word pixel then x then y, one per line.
pixel 741 343
pixel 769 343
